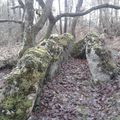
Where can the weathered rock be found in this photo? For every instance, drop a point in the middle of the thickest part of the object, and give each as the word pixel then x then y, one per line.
pixel 24 84
pixel 79 49
pixel 60 51
pixel 99 59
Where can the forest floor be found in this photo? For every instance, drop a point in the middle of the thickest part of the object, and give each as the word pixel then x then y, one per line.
pixel 71 96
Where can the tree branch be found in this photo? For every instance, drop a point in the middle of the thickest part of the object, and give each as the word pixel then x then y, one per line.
pixel 19 6
pixel 87 11
pixel 42 4
pixel 12 21
pixel 21 3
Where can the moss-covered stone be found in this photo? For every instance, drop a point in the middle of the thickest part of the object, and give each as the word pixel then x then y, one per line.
pixel 21 82
pixel 105 56
pixel 79 49
pixel 28 76
pixel 100 59
pixel 63 40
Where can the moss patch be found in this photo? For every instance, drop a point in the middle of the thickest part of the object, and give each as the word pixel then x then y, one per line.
pixel 106 63
pixel 79 49
pixel 21 82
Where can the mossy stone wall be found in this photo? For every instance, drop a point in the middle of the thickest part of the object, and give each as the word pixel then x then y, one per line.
pixel 24 84
pixel 99 58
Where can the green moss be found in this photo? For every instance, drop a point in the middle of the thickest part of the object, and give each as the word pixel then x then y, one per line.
pixel 4 118
pixel 15 106
pixel 103 53
pixel 105 56
pixel 31 68
pixel 106 63
pixel 79 49
pixel 56 44
pixel 62 40
pixel 65 39
pixel 93 34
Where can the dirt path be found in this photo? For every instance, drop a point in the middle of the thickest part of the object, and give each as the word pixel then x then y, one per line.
pixel 70 96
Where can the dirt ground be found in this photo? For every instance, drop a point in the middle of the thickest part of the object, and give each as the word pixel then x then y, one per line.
pixel 70 96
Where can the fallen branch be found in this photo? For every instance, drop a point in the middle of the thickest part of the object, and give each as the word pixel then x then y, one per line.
pixel 13 21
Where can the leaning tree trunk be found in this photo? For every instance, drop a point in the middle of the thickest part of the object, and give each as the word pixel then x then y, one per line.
pixel 29 36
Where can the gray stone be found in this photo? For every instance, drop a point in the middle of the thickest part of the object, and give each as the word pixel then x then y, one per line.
pixel 100 59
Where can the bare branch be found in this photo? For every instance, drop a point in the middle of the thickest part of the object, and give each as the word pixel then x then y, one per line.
pixel 12 21
pixel 87 11
pixel 16 7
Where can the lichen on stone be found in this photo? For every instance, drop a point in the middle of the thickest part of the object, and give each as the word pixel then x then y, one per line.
pixel 100 59
pixel 107 63
pixel 79 49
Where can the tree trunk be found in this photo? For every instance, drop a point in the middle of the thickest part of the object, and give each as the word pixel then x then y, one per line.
pixel 65 22
pixel 89 22
pixel 116 2
pixel 100 15
pixel 29 37
pixel 31 30
pixel 70 7
pixel 13 5
pixel 49 30
pixel 60 19
pixel 8 11
pixel 74 22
